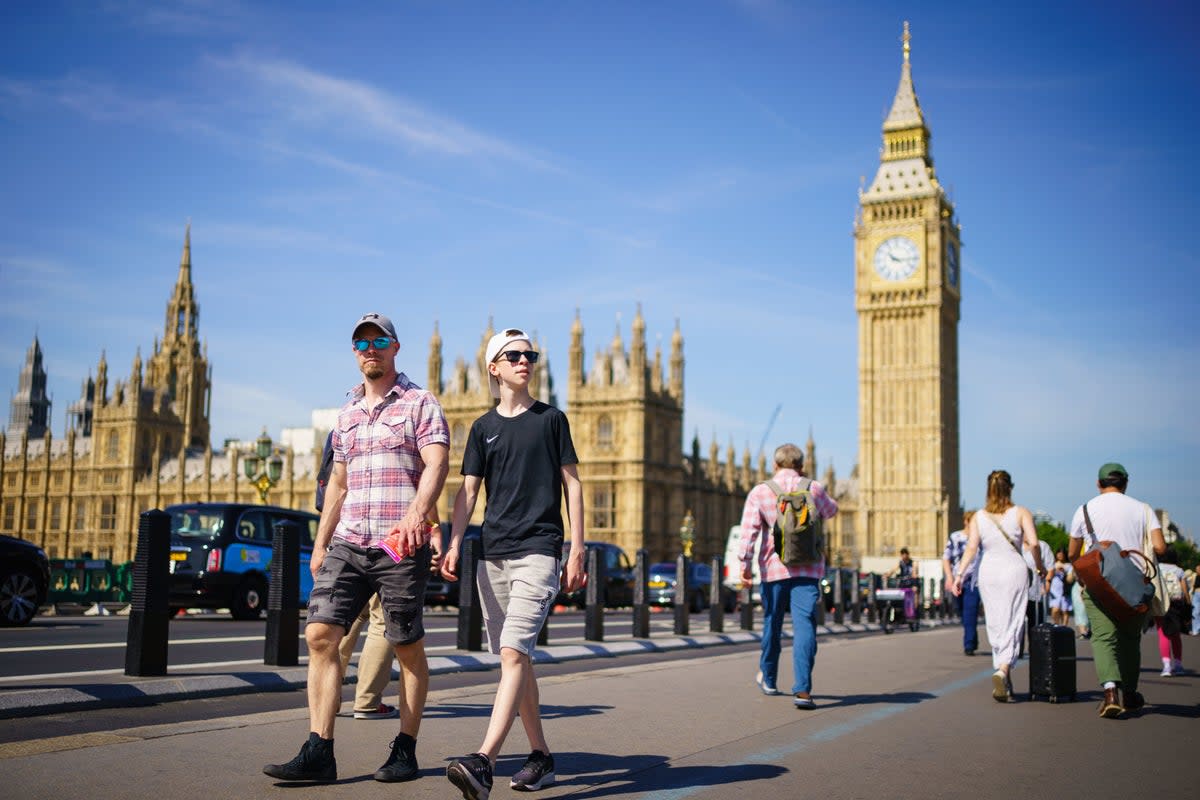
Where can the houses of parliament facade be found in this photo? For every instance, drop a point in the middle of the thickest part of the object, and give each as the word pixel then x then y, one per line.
pixel 143 441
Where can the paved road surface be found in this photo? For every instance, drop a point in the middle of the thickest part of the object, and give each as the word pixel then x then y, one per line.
pixel 903 716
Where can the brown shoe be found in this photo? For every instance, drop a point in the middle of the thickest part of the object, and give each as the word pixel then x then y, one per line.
pixel 1110 707
pixel 1134 701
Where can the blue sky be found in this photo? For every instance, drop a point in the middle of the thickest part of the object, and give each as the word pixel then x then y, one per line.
pixel 450 162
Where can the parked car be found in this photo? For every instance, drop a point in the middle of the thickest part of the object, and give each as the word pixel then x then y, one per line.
pixel 660 587
pixel 439 591
pixel 221 555
pixel 24 579
pixel 618 572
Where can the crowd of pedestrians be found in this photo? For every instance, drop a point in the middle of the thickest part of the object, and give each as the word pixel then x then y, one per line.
pixel 384 467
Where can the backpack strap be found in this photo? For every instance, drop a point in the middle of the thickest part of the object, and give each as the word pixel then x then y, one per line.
pixel 775 487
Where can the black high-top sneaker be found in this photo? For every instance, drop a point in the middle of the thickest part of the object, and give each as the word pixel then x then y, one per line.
pixel 314 762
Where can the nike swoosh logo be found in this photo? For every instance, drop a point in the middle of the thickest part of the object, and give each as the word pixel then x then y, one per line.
pixel 492 439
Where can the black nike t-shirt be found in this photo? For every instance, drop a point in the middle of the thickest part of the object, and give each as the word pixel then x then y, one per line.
pixel 520 460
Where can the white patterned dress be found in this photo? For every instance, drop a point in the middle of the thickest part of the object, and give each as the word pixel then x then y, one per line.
pixel 1003 584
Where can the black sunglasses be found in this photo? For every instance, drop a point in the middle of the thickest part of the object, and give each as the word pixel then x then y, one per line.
pixel 379 343
pixel 513 356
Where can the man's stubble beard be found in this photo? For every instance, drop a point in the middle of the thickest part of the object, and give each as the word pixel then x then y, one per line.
pixel 373 371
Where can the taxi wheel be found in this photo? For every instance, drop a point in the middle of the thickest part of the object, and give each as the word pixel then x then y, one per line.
pixel 249 599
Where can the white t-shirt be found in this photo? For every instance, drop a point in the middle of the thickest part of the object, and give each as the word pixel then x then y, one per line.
pixel 1116 517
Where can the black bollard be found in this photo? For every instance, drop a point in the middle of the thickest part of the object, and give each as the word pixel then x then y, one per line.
pixel 682 610
pixel 593 614
pixel 149 609
pixel 470 613
pixel 282 645
pixel 856 604
pixel 641 598
pixel 839 597
pixel 746 599
pixel 716 608
pixel 872 603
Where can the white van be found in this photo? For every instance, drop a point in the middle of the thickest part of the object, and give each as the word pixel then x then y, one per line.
pixel 733 566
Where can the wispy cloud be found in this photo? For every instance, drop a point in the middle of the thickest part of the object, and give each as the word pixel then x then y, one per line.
pixel 314 98
pixel 181 17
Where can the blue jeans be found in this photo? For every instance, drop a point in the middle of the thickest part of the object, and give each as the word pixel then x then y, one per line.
pixel 800 597
pixel 1195 612
pixel 970 617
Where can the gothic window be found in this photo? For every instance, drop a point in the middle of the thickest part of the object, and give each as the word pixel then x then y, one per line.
pixel 10 515
pixel 604 507
pixel 31 516
pixel 81 514
pixel 56 507
pixel 604 431
pixel 108 513
pixel 58 480
pixel 35 480
pixel 11 480
pixel 144 454
pixel 457 436
pixel 114 445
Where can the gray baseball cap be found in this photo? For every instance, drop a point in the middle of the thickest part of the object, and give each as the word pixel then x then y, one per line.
pixel 379 321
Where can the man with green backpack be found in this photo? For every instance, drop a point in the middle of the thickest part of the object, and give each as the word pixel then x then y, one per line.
pixel 782 526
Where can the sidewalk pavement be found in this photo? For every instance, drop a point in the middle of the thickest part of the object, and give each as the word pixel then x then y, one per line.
pixel 117 690
pixel 897 716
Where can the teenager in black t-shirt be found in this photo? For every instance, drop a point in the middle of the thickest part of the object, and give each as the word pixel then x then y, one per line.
pixel 521 453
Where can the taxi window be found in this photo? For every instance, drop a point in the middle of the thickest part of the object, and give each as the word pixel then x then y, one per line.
pixel 253 527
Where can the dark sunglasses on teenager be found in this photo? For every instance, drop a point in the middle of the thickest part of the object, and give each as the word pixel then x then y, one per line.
pixel 513 356
pixel 379 343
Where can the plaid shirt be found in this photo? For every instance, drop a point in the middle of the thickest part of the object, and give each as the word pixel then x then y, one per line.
pixel 381 449
pixel 759 517
pixel 955 548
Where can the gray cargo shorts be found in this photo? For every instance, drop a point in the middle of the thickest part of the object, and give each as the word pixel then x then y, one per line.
pixel 516 595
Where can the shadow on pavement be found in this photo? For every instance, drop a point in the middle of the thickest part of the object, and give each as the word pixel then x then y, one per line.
pixel 601 774
pixel 548 712
pixel 869 699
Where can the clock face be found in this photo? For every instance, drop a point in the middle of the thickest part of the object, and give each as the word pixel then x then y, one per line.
pixel 952 263
pixel 897 258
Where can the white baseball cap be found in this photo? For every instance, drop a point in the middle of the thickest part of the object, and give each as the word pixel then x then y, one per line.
pixel 495 347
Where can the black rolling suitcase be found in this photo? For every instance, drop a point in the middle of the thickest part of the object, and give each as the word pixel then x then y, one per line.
pixel 1052 663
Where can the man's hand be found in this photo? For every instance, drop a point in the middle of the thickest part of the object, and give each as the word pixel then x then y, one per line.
pixel 316 560
pixel 410 534
pixel 748 575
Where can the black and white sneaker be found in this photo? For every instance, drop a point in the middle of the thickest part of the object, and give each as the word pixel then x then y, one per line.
pixel 472 775
pixel 537 771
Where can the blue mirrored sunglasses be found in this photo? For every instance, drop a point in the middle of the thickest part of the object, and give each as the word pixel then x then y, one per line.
pixel 379 343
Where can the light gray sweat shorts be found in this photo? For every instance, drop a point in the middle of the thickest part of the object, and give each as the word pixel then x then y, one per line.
pixel 516 595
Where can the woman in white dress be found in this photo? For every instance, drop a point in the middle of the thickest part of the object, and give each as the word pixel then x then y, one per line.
pixel 1003 575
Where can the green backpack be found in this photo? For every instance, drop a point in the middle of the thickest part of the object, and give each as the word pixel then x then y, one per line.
pixel 798 535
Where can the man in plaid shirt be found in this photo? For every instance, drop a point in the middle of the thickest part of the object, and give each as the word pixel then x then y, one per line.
pixel 784 588
pixel 390 459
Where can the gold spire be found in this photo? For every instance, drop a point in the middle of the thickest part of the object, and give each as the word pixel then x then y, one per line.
pixel 907 39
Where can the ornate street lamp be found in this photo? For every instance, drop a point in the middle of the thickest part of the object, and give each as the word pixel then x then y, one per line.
pixel 687 533
pixel 264 467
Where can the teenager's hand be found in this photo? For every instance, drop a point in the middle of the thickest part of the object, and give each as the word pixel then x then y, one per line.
pixel 450 564
pixel 575 577
pixel 748 576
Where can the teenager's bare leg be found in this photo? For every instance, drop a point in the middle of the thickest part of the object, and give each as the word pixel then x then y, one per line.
pixel 531 713
pixel 324 676
pixel 413 685
pixel 516 672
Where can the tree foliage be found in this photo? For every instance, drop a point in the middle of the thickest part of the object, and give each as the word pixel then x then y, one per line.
pixel 1054 535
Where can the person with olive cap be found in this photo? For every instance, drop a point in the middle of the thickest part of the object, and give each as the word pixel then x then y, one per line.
pixel 1114 516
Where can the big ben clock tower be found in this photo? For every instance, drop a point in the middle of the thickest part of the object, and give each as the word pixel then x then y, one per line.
pixel 907 278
